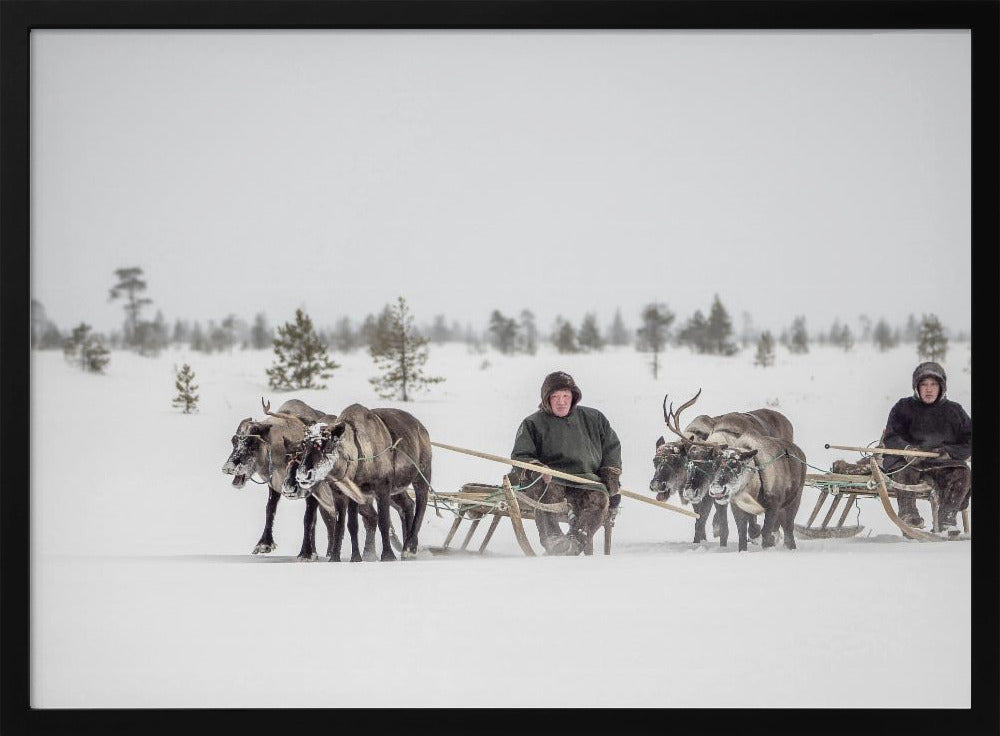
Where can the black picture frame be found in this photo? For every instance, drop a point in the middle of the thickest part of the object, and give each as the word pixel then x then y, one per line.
pixel 19 18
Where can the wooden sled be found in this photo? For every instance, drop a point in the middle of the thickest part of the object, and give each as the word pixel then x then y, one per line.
pixel 836 488
pixel 476 501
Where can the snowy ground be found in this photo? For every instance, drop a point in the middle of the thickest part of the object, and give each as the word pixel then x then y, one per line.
pixel 144 593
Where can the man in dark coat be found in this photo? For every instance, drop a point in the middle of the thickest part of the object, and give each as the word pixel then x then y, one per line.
pixel 928 421
pixel 564 436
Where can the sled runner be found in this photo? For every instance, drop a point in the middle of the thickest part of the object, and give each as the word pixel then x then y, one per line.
pixel 476 501
pixel 870 482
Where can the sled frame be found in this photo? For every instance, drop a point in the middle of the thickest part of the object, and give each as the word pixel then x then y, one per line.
pixel 516 508
pixel 837 487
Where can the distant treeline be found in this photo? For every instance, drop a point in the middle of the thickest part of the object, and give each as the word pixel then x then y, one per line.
pixel 505 333
pixel 655 328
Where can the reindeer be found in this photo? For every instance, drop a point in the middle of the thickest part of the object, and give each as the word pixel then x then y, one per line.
pixel 329 496
pixel 372 454
pixel 258 450
pixel 701 459
pixel 776 483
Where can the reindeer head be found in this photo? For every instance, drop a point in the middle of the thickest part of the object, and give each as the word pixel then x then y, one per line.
pixel 292 459
pixel 731 473
pixel 701 464
pixel 249 453
pixel 698 455
pixel 669 464
pixel 322 454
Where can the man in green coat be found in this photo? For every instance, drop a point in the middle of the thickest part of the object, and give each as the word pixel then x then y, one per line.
pixel 573 439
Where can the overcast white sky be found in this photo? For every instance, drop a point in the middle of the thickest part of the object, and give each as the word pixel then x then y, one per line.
pixel 817 173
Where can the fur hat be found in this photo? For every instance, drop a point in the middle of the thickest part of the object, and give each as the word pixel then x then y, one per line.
pixel 554 382
pixel 933 370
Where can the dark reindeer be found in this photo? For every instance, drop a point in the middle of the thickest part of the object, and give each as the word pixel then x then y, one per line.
pixel 699 458
pixel 258 449
pixel 769 469
pixel 330 497
pixel 372 454
pixel 702 458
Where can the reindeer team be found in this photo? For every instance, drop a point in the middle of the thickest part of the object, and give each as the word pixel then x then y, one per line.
pixel 363 461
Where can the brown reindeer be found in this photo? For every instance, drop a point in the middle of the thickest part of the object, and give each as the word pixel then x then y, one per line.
pixel 258 449
pixel 372 454
pixel 769 469
pixel 345 510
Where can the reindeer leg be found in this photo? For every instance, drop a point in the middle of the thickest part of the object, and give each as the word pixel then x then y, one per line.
pixel 421 489
pixel 722 517
pixel 266 543
pixel 370 520
pixel 334 529
pixel 701 508
pixel 404 505
pixel 742 519
pixel 767 532
pixel 788 528
pixel 382 506
pixel 308 551
pixel 352 529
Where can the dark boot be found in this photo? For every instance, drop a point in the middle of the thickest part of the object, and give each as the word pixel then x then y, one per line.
pixel 908 513
pixel 571 545
pixel 946 518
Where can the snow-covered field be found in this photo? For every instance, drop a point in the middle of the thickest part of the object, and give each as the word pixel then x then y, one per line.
pixel 144 592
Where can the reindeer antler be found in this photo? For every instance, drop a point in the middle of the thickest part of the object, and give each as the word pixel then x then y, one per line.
pixel 676 429
pixel 279 414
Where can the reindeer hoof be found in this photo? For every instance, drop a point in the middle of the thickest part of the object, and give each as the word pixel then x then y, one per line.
pixel 388 557
pixel 333 558
pixel 304 557
pixel 409 554
pixel 263 548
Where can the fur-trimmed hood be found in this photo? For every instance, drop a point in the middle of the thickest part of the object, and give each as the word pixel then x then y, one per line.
pixel 930 369
pixel 554 382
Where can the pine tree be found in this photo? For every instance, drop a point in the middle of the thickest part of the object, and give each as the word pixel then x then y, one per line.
pixel 528 332
pixel 883 336
pixel 840 335
pixel 366 332
pixel 198 340
pixel 86 349
pixel 866 328
pixel 400 356
pixel 765 350
pixel 652 336
pixel 129 286
pixel 932 343
pixel 181 333
pixel 260 333
pixel 798 339
pixel 695 332
pixel 300 357
pixel 344 337
pixel 719 329
pixel 589 336
pixel 749 333
pixel 564 336
pixel 439 330
pixel 618 334
pixel 504 332
pixel 186 398
pixel 846 338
